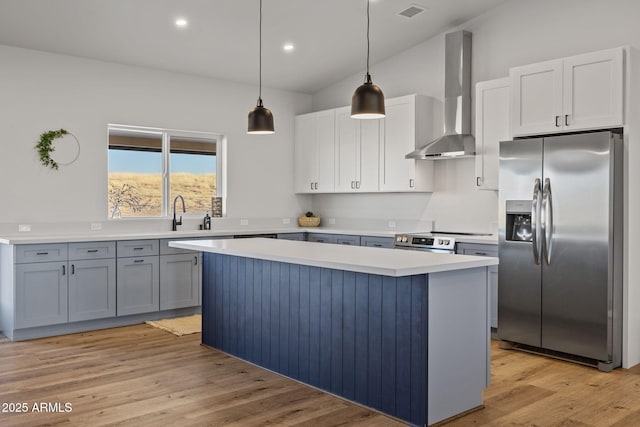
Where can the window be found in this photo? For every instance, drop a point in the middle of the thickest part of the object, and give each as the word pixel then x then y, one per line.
pixel 148 168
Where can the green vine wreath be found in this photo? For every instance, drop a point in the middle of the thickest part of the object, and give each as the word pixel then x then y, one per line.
pixel 45 146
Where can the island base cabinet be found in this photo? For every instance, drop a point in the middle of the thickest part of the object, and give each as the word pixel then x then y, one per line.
pixel 41 294
pixel 179 280
pixel 92 289
pixel 138 285
pixel 357 335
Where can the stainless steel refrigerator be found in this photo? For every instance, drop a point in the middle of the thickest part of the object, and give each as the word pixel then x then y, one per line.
pixel 560 246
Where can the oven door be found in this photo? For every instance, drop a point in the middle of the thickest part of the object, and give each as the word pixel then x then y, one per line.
pixel 433 250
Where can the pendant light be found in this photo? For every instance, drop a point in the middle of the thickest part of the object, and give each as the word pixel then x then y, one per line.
pixel 367 101
pixel 260 118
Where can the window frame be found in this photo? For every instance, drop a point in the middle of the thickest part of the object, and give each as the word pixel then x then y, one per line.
pixel 166 209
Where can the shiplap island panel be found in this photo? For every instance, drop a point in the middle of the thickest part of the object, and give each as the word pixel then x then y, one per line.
pixel 369 328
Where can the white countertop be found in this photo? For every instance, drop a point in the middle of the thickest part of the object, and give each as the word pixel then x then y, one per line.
pixel 95 236
pixel 386 262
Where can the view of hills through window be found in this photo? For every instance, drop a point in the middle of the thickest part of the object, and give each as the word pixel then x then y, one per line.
pixel 136 180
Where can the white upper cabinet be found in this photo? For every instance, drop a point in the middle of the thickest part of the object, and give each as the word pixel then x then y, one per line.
pixel 314 152
pixel 407 123
pixel 493 122
pixel 576 93
pixel 357 148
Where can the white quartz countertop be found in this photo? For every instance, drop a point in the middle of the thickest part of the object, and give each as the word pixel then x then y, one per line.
pixel 386 262
pixel 95 236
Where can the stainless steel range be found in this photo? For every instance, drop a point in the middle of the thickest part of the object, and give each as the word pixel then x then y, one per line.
pixel 426 242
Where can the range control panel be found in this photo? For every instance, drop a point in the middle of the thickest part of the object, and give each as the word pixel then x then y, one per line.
pixel 427 242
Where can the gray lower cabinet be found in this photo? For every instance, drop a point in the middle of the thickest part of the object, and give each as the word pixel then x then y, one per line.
pixel 376 242
pixel 341 239
pixel 41 294
pixel 179 280
pixel 138 277
pixel 291 236
pixel 492 272
pixel 92 289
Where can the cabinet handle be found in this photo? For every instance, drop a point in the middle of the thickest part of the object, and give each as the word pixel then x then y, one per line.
pixel 377 245
pixel 566 120
pixel 138 249
pixel 138 260
pixel 195 259
pixel 92 251
pixel 558 124
pixel 64 270
pixel 358 185
pixel 73 269
pixel 481 253
pixel 42 253
pixel 311 185
pixel 411 183
pixel 353 184
pixel 477 181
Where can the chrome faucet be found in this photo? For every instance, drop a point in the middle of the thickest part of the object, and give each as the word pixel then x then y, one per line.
pixel 175 223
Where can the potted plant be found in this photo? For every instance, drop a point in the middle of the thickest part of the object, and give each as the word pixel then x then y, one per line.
pixel 308 220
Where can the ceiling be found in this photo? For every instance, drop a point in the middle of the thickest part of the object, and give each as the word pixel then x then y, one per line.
pixel 221 38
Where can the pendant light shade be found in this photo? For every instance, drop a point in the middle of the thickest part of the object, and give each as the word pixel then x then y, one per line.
pixel 260 120
pixel 260 117
pixel 367 101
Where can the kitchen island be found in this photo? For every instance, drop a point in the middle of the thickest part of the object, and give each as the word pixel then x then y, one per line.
pixel 403 332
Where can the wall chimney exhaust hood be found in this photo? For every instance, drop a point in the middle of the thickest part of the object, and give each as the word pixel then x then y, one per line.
pixel 457 140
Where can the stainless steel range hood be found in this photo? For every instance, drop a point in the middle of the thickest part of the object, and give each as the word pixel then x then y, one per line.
pixel 457 140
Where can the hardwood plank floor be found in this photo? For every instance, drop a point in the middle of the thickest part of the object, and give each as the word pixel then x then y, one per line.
pixel 531 390
pixel 139 375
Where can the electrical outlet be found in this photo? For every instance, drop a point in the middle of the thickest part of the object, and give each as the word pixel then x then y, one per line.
pixel 286 221
pixel 24 227
pixel 95 226
pixel 392 224
pixel 332 221
pixel 244 222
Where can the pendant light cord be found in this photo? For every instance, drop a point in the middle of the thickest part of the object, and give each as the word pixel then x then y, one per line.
pixel 260 61
pixel 367 39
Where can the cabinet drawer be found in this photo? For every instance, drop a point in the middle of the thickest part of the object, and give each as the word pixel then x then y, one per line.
pixel 41 253
pixel 137 248
pixel 348 240
pixel 376 242
pixel 477 249
pixel 92 250
pixel 321 238
pixel 291 236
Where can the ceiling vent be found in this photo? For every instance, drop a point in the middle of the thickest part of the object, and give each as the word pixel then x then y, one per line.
pixel 411 11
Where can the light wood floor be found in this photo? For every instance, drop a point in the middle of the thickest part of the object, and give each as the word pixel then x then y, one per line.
pixel 141 376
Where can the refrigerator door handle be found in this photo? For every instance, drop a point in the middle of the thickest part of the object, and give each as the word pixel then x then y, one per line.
pixel 547 220
pixel 535 218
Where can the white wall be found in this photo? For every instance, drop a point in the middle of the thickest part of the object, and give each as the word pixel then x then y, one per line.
pixel 515 33
pixel 42 91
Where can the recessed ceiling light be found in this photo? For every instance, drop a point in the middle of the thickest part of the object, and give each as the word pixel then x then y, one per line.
pixel 181 22
pixel 288 47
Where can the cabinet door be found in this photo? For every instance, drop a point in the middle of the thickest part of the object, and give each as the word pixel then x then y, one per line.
pixel 347 141
pixel 138 285
pixel 398 139
pixel 41 294
pixel 593 90
pixel 305 166
pixel 179 281
pixel 493 123
pixel 368 156
pixel 92 289
pixel 536 98
pixel 324 139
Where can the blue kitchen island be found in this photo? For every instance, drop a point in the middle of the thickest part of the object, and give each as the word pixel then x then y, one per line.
pixel 403 332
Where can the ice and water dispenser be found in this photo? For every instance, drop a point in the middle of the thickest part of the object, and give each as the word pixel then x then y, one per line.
pixel 518 224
